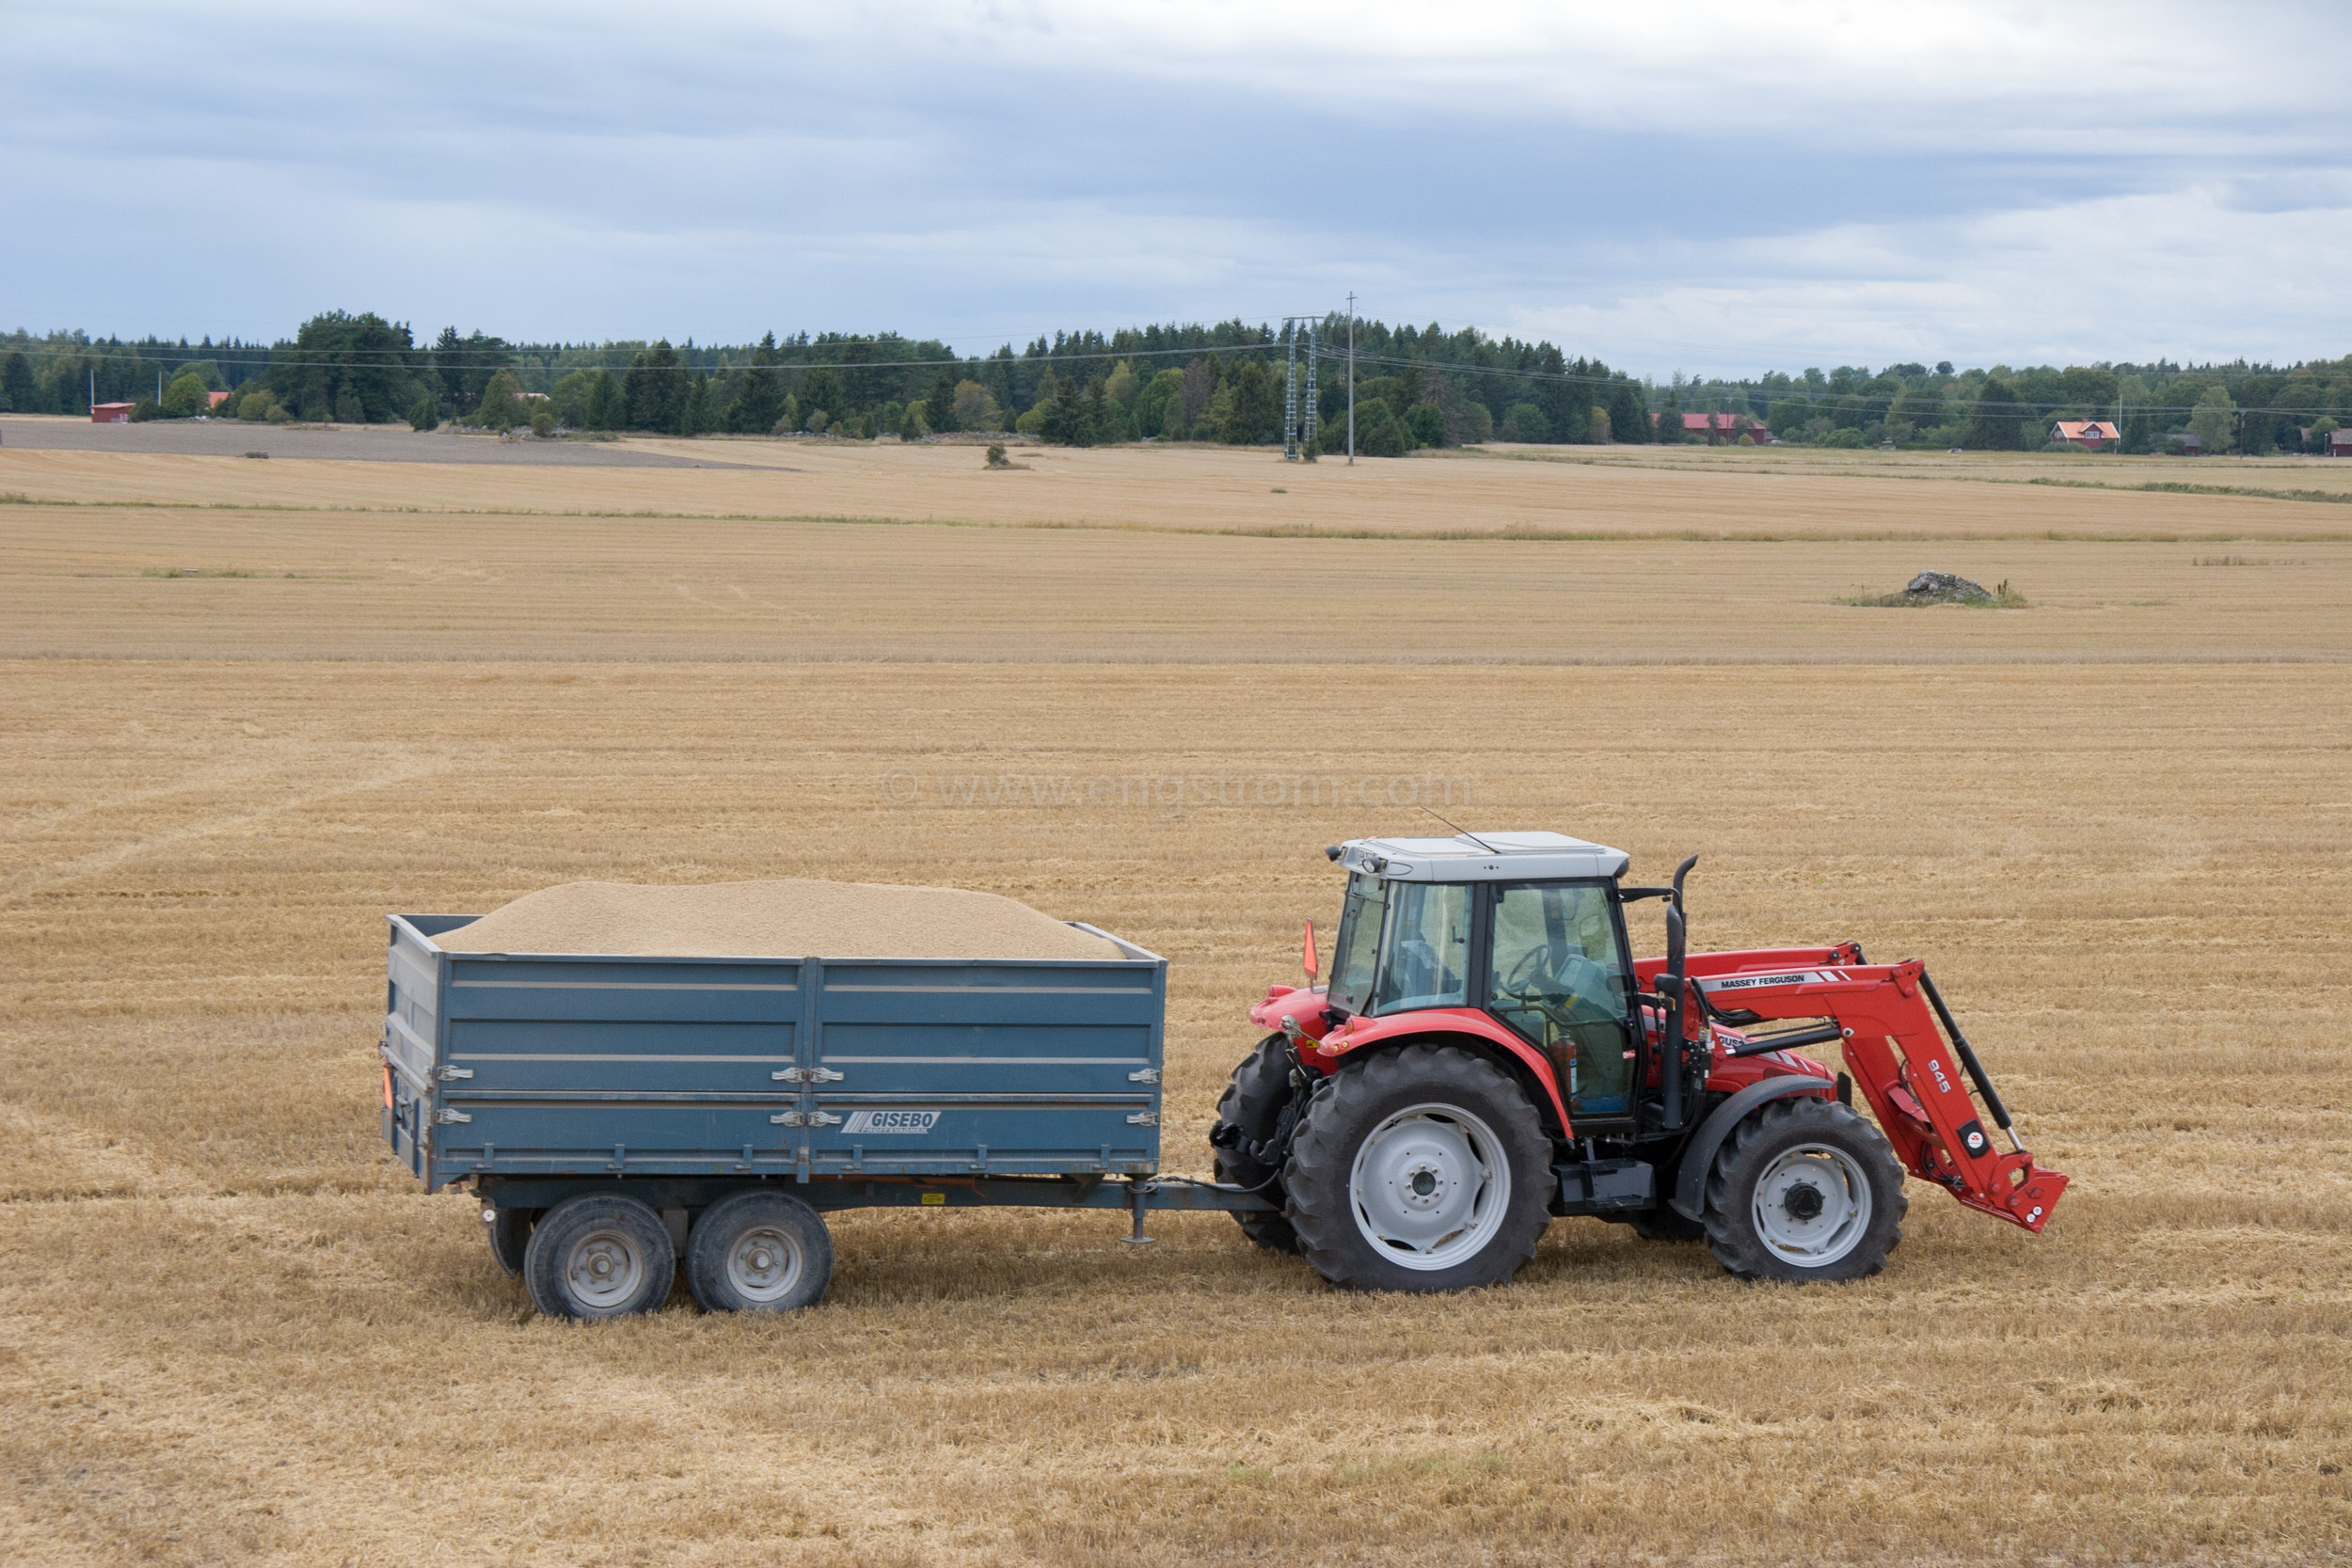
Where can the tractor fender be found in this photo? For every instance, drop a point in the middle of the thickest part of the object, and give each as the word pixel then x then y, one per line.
pixel 1463 1026
pixel 1698 1155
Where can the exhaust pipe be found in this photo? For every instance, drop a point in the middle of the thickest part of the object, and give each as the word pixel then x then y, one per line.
pixel 1670 985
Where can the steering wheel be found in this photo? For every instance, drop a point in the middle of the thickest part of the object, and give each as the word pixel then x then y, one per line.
pixel 1559 1007
pixel 1526 969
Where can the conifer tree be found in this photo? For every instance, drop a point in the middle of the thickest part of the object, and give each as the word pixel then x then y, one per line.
pixel 760 401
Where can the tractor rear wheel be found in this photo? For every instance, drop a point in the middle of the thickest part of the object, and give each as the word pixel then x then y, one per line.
pixel 1251 1105
pixel 1423 1169
pixel 1804 1190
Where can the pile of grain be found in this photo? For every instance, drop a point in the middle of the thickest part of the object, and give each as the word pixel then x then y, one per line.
pixel 775 919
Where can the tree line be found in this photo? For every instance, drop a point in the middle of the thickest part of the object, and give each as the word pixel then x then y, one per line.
pixel 1415 387
pixel 1224 383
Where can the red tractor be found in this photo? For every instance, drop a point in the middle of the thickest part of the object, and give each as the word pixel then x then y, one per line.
pixel 1489 1054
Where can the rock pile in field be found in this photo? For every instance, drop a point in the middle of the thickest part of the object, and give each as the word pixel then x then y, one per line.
pixel 774 919
pixel 1944 588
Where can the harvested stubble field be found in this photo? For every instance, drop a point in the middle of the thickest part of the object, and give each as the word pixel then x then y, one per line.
pixel 2117 828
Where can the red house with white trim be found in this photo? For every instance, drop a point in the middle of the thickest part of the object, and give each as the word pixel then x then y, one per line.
pixel 1723 430
pixel 110 413
pixel 2091 433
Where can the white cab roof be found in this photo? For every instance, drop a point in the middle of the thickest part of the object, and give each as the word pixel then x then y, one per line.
pixel 1482 858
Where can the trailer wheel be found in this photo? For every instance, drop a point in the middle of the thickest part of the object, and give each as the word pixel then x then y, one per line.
pixel 759 1252
pixel 1251 1105
pixel 510 1234
pixel 598 1256
pixel 1423 1169
pixel 1804 1190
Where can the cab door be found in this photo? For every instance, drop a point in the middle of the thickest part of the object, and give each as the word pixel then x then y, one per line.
pixel 1558 973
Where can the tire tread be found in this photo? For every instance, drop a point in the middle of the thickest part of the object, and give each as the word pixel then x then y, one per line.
pixel 1323 1157
pixel 1730 1234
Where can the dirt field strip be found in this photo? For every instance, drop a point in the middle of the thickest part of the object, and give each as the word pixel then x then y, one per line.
pixel 230 1330
pixel 1747 495
pixel 92 582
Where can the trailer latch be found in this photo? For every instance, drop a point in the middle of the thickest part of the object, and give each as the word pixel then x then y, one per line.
pixel 1144 1119
pixel 1148 1075
pixel 448 1117
pixel 807 1075
pixel 804 1118
pixel 451 1074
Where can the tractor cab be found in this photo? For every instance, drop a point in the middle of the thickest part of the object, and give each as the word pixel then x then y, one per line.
pixel 1526 928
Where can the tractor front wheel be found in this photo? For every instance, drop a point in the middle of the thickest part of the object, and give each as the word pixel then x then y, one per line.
pixel 1804 1190
pixel 1421 1169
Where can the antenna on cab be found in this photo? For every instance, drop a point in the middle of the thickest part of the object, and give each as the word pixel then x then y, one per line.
pixel 1460 833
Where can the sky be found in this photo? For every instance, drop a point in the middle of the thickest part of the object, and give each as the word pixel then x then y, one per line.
pixel 1714 189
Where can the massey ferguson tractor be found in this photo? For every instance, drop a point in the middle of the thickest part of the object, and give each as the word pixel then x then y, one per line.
pixel 1487 1054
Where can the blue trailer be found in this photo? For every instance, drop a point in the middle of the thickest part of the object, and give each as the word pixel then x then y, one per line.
pixel 617 1116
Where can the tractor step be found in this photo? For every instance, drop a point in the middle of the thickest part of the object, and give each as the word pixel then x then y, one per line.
pixel 1604 1186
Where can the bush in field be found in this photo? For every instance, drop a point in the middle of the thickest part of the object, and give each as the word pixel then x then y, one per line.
pixel 424 414
pixel 977 407
pixel 255 406
pixel 1377 432
pixel 1427 425
pixel 186 397
pixel 2212 420
pixel 502 409
pixel 1526 422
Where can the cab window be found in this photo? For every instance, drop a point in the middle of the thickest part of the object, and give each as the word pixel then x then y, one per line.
pixel 1357 954
pixel 1558 978
pixel 1427 964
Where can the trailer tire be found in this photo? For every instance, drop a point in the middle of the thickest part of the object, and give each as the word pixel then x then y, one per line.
pixel 509 1236
pixel 1806 1189
pixel 598 1256
pixel 759 1252
pixel 1402 1148
pixel 1252 1104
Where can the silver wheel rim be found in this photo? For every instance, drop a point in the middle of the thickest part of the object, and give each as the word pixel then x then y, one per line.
pixel 1812 1205
pixel 606 1269
pixel 1430 1186
pixel 765 1264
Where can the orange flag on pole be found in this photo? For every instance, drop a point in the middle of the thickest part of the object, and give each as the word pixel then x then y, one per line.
pixel 1308 958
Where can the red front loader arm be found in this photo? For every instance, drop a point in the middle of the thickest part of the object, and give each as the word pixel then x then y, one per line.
pixel 1917 1080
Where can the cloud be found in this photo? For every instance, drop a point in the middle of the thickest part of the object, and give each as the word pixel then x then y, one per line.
pixel 1715 186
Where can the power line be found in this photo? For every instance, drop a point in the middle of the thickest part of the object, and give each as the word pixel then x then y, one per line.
pixel 422 358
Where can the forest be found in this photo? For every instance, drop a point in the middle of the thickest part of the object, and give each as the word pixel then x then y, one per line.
pixel 1415 387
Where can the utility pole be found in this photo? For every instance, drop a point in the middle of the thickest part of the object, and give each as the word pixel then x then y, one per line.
pixel 1351 378
pixel 1315 404
pixel 1291 443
